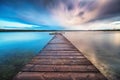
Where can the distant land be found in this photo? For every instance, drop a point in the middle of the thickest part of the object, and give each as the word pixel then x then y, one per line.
pixel 21 30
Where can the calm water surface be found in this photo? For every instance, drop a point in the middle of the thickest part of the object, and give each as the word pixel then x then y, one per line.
pixel 17 48
pixel 22 42
pixel 101 48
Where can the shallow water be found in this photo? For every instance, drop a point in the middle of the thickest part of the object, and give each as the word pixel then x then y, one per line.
pixel 102 48
pixel 17 48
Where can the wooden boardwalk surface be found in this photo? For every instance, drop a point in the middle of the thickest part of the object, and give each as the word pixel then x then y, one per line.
pixel 59 60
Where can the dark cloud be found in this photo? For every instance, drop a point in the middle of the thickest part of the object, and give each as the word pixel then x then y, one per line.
pixel 113 8
pixel 92 5
pixel 110 10
pixel 81 13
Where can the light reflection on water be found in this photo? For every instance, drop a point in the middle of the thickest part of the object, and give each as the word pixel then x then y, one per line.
pixel 102 48
pixel 17 48
pixel 23 41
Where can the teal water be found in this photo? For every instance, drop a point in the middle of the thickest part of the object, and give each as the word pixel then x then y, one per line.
pixel 17 48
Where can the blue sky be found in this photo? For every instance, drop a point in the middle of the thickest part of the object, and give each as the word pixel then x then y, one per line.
pixel 59 14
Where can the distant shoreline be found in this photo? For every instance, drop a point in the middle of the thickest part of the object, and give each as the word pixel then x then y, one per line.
pixel 14 30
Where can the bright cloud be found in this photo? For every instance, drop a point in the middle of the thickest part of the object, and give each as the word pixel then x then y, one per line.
pixel 107 24
pixel 8 24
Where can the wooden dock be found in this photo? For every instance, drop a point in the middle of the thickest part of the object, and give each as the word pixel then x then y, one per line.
pixel 59 60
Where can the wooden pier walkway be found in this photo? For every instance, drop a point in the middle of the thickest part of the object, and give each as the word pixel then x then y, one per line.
pixel 59 60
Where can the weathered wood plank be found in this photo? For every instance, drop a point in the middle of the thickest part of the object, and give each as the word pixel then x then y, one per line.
pixel 58 57
pixel 59 41
pixel 59 76
pixel 61 62
pixel 52 59
pixel 62 54
pixel 60 45
pixel 59 68
pixel 59 51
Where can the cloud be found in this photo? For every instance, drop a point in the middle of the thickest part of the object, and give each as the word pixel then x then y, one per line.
pixel 62 13
pixel 105 24
pixel 13 25
pixel 75 12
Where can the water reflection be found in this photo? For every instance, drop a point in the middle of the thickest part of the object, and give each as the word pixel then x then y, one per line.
pixel 23 41
pixel 117 39
pixel 102 48
pixel 17 48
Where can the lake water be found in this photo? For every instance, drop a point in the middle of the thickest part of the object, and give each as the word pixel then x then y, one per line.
pixel 102 48
pixel 17 48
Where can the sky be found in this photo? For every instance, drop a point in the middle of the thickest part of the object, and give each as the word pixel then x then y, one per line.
pixel 60 14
